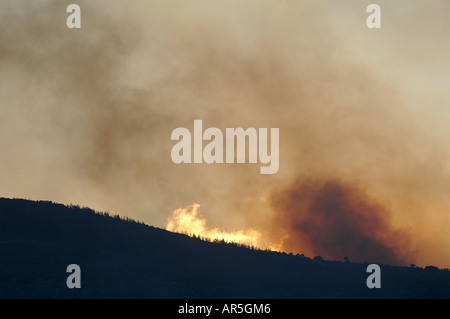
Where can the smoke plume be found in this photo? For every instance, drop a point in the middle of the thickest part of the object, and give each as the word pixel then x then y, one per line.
pixel 335 220
pixel 87 115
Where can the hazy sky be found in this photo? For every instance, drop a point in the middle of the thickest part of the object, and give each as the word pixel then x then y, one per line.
pixel 87 114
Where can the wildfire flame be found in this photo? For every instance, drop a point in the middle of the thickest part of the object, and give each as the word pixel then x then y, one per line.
pixel 186 220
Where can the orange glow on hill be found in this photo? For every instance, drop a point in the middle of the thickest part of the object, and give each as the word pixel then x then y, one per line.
pixel 187 221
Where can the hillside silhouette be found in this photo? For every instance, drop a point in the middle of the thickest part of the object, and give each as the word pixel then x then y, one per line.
pixel 122 258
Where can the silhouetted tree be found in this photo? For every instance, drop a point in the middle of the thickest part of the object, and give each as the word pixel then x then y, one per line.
pixel 318 258
pixel 431 268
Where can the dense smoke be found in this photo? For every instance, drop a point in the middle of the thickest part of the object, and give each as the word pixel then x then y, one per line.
pixel 336 220
pixel 87 115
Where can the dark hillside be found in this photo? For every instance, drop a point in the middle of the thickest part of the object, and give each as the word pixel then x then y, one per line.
pixel 125 259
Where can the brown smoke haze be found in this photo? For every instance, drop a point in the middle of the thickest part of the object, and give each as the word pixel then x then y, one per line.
pixel 87 115
pixel 334 220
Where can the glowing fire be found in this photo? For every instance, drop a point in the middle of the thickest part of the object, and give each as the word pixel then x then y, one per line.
pixel 187 220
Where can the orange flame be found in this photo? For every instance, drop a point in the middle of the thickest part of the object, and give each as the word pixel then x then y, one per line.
pixel 186 220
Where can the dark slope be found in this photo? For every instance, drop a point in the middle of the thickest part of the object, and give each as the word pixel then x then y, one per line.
pixel 125 259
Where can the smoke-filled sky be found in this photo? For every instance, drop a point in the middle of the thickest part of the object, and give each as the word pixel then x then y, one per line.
pixel 87 115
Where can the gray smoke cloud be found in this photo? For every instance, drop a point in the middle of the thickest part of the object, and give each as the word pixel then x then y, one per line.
pixel 87 114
